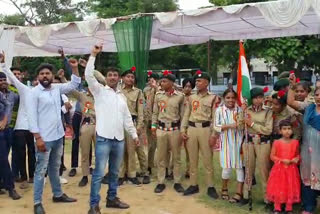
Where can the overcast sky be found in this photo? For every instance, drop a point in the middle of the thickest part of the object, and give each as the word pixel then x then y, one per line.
pixel 7 8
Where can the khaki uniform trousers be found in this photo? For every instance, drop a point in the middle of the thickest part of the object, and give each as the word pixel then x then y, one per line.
pixel 152 146
pixel 87 136
pixel 129 165
pixel 168 140
pixel 259 153
pixel 199 141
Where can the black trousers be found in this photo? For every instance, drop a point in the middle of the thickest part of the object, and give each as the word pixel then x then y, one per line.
pixel 76 120
pixel 23 140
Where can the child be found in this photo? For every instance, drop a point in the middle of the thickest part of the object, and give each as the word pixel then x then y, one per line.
pixel 284 181
pixel 228 125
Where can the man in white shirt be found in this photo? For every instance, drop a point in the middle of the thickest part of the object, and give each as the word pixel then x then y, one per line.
pixel 44 115
pixel 113 117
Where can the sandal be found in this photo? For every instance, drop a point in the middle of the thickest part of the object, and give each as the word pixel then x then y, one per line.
pixel 236 198
pixel 224 194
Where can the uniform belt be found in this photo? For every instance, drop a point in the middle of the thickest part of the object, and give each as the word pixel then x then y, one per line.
pixel 200 125
pixel 87 121
pixel 134 118
pixel 264 139
pixel 169 126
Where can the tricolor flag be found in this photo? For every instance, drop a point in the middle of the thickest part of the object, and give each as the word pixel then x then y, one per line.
pixel 244 82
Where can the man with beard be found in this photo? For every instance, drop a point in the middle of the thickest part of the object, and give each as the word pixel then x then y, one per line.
pixel 113 116
pixel 44 114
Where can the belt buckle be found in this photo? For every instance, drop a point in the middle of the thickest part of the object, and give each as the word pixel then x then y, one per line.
pixel 198 125
pixel 167 124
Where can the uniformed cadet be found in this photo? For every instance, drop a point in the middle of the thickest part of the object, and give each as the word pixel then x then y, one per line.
pixel 149 93
pixel 283 82
pixel 166 120
pixel 135 102
pixel 197 129
pixel 259 121
pixel 282 112
pixel 187 85
pixel 87 126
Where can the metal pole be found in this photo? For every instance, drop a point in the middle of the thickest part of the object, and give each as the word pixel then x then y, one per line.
pixel 209 61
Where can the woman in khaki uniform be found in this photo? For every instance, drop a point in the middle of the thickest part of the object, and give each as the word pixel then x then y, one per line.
pixel 259 121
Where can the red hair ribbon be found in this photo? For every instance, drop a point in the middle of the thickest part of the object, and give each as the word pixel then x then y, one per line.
pixel 281 93
pixel 292 72
pixel 265 89
pixel 149 73
pixel 133 68
pixel 198 72
pixel 298 80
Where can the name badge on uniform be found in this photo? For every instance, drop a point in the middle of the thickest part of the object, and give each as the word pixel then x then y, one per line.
pixel 195 105
pixel 87 107
pixel 162 105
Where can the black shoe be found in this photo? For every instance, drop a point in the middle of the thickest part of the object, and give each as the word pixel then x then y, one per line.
pixel 191 190
pixel 91 171
pixel 38 209
pixel 159 188
pixel 72 172
pixel 64 168
pixel 116 203
pixel 18 180
pixel 212 193
pixel 121 181
pixel 146 180
pixel 150 170
pixel 105 179
pixel 94 210
pixel 243 202
pixel 268 207
pixel 64 199
pixel 178 188
pixel 187 176
pixel 139 175
pixel 14 195
pixel 134 181
pixel 84 181
pixel 2 192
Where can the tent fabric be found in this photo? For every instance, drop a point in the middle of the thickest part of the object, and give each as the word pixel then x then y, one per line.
pixel 246 21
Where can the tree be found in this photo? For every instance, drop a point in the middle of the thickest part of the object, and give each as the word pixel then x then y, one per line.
pixel 37 12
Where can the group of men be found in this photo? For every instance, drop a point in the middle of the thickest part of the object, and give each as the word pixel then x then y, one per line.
pixel 160 110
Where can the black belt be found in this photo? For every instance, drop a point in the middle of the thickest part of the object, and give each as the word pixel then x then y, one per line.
pixel 134 118
pixel 173 124
pixel 263 139
pixel 87 120
pixel 204 124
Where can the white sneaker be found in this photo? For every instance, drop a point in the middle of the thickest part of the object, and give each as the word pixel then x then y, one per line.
pixel 63 180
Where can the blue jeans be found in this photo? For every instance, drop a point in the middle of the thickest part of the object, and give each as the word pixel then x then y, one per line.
pixel 49 160
pixel 309 198
pixel 106 149
pixel 5 171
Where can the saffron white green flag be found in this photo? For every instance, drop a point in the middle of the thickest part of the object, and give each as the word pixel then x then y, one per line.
pixel 244 82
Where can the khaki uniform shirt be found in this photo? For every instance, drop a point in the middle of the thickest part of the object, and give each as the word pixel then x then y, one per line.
pixel 135 102
pixel 263 121
pixel 149 95
pixel 200 108
pixel 86 105
pixel 168 108
pixel 288 115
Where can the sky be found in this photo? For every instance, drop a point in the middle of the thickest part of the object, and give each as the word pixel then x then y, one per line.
pixel 6 7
